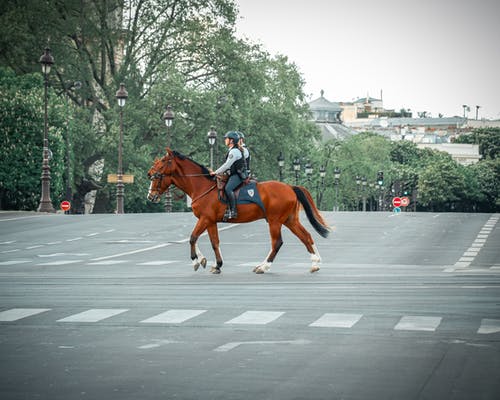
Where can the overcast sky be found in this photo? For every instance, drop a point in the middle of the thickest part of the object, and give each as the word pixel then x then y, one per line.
pixel 425 55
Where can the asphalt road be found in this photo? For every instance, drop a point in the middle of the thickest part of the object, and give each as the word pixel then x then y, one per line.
pixel 108 307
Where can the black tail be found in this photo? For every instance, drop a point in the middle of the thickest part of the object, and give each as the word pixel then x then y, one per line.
pixel 312 212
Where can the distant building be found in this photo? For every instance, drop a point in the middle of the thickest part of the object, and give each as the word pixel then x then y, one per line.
pixel 465 154
pixel 327 116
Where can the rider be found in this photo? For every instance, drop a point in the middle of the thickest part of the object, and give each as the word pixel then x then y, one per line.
pixel 235 167
pixel 246 153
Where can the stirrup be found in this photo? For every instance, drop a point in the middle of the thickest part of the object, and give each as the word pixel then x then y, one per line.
pixel 233 214
pixel 227 214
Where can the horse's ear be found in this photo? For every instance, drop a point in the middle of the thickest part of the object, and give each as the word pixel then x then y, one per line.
pixel 168 150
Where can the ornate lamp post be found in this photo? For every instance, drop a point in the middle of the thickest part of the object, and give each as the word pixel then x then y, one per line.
pixel 168 117
pixel 121 96
pixel 212 137
pixel 281 164
pixel 363 183
pixel 309 171
pixel 336 175
pixel 296 168
pixel 45 202
pixel 358 183
pixel 322 174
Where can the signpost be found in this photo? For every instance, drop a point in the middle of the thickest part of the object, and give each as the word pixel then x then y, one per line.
pixel 113 178
pixel 405 201
pixel 65 205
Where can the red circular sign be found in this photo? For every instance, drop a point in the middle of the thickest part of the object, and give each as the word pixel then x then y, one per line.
pixel 396 201
pixel 65 205
pixel 405 201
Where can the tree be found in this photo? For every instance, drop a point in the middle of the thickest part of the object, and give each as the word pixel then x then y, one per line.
pixel 21 141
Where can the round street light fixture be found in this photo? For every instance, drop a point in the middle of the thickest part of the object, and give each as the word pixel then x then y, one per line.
pixel 168 116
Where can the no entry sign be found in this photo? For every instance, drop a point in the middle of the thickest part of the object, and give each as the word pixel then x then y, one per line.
pixel 396 201
pixel 65 205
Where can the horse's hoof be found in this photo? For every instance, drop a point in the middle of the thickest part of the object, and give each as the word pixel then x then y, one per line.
pixel 314 268
pixel 258 270
pixel 215 270
pixel 203 262
pixel 196 266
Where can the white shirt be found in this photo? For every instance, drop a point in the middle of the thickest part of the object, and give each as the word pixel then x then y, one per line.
pixel 234 154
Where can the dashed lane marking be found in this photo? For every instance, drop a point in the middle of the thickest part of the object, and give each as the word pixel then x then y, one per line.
pixel 173 316
pixel 489 326
pixel 15 314
pixel 331 320
pixel 418 323
pixel 94 315
pixel 256 317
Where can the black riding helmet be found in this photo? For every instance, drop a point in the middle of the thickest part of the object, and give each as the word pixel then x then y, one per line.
pixel 233 135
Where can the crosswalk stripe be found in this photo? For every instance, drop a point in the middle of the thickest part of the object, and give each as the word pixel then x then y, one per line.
pixel 173 316
pixel 256 317
pixel 418 323
pixel 489 326
pixel 19 313
pixel 335 320
pixel 93 315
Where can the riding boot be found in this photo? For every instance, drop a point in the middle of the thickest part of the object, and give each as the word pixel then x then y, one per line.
pixel 232 205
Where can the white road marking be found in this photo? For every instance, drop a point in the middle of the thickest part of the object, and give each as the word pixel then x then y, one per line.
pixel 336 320
pixel 12 241
pixel 92 234
pixel 489 326
pixel 157 343
pixel 73 239
pixel 173 317
pixel 108 262
pixel 93 315
pixel 34 247
pixel 13 262
pixel 232 345
pixel 60 262
pixel 418 323
pixel 9 251
pixel 157 262
pixel 20 313
pixel 256 317
pixel 158 246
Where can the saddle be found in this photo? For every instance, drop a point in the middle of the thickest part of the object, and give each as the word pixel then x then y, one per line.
pixel 221 184
pixel 246 193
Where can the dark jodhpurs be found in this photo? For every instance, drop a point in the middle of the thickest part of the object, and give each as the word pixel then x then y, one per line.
pixel 233 182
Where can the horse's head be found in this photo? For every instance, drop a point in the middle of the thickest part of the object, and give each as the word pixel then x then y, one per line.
pixel 160 175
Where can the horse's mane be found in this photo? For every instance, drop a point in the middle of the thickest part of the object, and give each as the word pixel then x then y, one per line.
pixel 204 170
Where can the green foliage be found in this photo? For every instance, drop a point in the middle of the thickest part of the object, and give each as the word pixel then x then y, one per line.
pixel 488 140
pixel 21 141
pixel 185 54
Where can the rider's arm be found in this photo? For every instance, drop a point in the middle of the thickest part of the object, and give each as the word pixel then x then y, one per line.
pixel 234 155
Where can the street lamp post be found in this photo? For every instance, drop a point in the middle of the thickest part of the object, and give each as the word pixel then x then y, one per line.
pixel 45 202
pixel 358 183
pixel 212 137
pixel 336 175
pixel 322 174
pixel 121 96
pixel 281 164
pixel 363 183
pixel 168 117
pixel 296 168
pixel 309 170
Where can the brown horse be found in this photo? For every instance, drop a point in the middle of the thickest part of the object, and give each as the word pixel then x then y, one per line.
pixel 281 203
